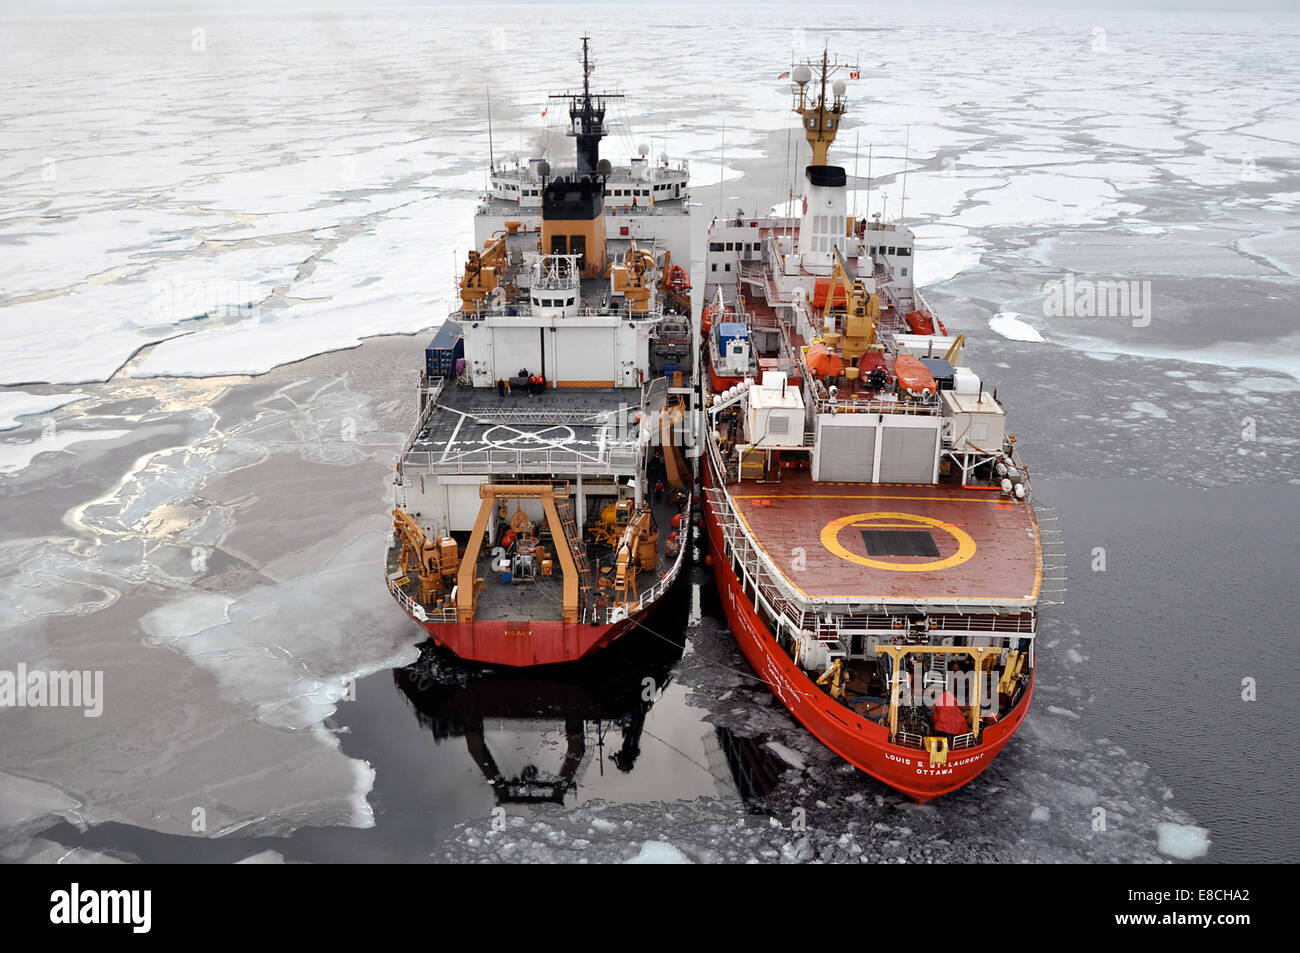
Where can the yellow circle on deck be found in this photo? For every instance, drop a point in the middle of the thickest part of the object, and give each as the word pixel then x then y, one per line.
pixel 965 544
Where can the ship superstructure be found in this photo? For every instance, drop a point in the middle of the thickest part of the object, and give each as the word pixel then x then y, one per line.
pixel 869 517
pixel 544 494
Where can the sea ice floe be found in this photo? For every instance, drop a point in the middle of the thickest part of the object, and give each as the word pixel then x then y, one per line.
pixel 659 852
pixel 370 284
pixel 106 323
pixel 1182 841
pixel 18 455
pixel 1014 327
pixel 788 755
pixel 1149 409
pixel 16 403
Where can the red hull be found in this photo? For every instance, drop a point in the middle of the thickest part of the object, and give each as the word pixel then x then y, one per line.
pixel 862 743
pixel 519 644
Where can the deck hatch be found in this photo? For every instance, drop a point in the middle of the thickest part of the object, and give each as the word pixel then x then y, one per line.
pixel 899 542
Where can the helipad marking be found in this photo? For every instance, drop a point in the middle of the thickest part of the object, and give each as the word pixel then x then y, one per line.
pixel 831 533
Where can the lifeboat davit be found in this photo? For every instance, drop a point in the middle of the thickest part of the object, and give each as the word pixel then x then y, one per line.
pixel 923 322
pixel 913 378
pixel 823 362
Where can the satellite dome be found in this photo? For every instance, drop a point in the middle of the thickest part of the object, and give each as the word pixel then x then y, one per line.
pixel 543 168
pixel 802 74
pixel 838 87
pixel 663 157
pixel 643 150
pixel 604 167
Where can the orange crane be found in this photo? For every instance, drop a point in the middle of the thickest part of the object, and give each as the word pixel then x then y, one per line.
pixel 638 550
pixel 484 270
pixel 420 554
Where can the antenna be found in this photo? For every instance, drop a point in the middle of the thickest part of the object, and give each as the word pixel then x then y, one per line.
pixel 868 215
pixel 722 165
pixel 907 142
pixel 586 70
pixel 491 157
pixel 857 134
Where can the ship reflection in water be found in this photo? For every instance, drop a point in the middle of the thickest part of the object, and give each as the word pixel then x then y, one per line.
pixel 536 733
pixel 616 726
pixel 598 707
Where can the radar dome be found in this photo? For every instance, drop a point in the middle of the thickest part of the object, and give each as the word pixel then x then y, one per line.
pixel 604 167
pixel 643 150
pixel 838 87
pixel 802 74
pixel 543 168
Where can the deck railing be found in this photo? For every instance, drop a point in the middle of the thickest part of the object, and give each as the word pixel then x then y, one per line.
pixel 568 463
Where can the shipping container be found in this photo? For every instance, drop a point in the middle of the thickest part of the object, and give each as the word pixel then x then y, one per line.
pixel 446 348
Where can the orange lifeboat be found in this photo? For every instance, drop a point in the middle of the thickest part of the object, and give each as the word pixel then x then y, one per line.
pixel 706 318
pixel 870 361
pixel 913 378
pixel 823 362
pixel 923 322
pixel 822 292
pixel 678 280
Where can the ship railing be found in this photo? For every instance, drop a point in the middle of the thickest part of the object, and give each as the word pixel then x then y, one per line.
pixel 991 624
pixel 429 393
pixel 412 607
pixel 906 739
pixel 853 405
pixel 522 308
pixel 761 578
pixel 498 461
pixel 655 592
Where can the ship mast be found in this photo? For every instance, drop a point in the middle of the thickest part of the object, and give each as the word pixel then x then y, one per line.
pixel 587 116
pixel 821 116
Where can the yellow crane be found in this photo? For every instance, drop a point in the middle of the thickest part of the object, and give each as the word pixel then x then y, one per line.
pixel 638 550
pixel 484 270
pixel 634 279
pixel 860 310
pixel 422 555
